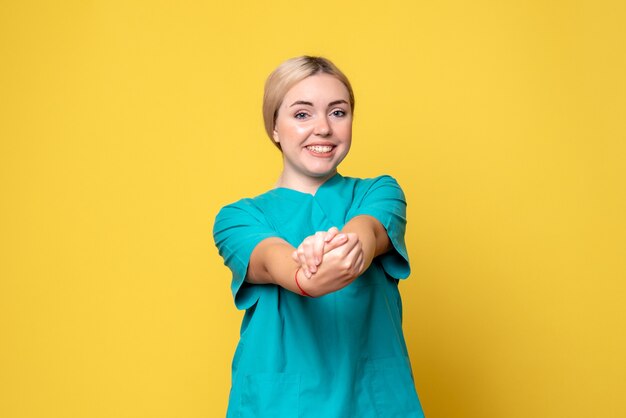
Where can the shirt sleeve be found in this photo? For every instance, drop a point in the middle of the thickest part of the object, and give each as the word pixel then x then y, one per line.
pixel 238 229
pixel 385 201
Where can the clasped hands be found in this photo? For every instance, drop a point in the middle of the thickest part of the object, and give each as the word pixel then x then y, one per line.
pixel 329 261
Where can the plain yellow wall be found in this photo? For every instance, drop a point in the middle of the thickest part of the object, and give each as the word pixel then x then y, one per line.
pixel 126 125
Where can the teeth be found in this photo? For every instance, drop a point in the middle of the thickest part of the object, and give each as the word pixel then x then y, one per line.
pixel 320 148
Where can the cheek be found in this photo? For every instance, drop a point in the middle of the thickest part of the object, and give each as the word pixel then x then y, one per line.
pixel 301 130
pixel 291 129
pixel 345 130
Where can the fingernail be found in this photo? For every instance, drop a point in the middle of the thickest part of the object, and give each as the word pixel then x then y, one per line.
pixel 317 261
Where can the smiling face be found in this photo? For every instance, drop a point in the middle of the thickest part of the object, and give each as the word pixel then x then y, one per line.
pixel 314 130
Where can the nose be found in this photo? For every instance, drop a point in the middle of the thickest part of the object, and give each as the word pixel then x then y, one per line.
pixel 322 127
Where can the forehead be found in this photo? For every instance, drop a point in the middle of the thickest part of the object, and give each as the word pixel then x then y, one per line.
pixel 318 89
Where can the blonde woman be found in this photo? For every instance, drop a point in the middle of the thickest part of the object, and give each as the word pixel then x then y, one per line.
pixel 316 263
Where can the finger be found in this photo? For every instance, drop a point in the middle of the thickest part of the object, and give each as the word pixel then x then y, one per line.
pixel 306 272
pixel 338 241
pixel 360 262
pixel 318 247
pixel 353 240
pixel 294 256
pixel 354 254
pixel 354 259
pixel 301 258
pixel 310 245
pixel 332 233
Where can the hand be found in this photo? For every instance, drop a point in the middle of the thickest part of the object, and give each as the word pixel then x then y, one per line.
pixel 340 267
pixel 310 252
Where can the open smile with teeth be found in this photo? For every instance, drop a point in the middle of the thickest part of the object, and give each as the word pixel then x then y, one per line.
pixel 320 149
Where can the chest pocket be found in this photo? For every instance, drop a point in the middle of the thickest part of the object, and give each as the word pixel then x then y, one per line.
pixel 271 395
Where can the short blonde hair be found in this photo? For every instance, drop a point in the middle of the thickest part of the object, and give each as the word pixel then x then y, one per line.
pixel 288 74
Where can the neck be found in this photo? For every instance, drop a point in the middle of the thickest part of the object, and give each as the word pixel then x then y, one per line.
pixel 303 184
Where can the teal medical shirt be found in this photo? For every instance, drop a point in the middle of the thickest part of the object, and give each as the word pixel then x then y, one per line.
pixel 340 355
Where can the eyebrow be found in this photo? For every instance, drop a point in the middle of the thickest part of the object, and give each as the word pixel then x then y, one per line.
pixel 303 102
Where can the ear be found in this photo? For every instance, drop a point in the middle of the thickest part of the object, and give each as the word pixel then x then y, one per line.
pixel 276 137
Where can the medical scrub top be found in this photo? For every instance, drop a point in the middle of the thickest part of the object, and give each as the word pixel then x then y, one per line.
pixel 339 355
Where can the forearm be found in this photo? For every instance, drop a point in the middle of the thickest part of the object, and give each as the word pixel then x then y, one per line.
pixel 372 235
pixel 271 262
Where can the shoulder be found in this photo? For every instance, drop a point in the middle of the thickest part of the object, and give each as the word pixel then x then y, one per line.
pixel 383 179
pixel 249 208
pixel 383 185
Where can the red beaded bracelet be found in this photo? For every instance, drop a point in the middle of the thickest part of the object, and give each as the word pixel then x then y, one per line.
pixel 302 292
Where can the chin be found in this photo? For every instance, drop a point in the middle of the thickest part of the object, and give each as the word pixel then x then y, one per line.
pixel 320 173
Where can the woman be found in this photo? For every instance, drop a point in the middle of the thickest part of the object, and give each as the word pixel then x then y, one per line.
pixel 316 263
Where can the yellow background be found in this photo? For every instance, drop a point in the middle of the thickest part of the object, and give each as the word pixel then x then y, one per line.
pixel 126 125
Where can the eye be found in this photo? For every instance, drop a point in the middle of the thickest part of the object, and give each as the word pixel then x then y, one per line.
pixel 338 113
pixel 300 115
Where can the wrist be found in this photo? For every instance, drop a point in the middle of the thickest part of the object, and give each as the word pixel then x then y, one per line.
pixel 298 280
